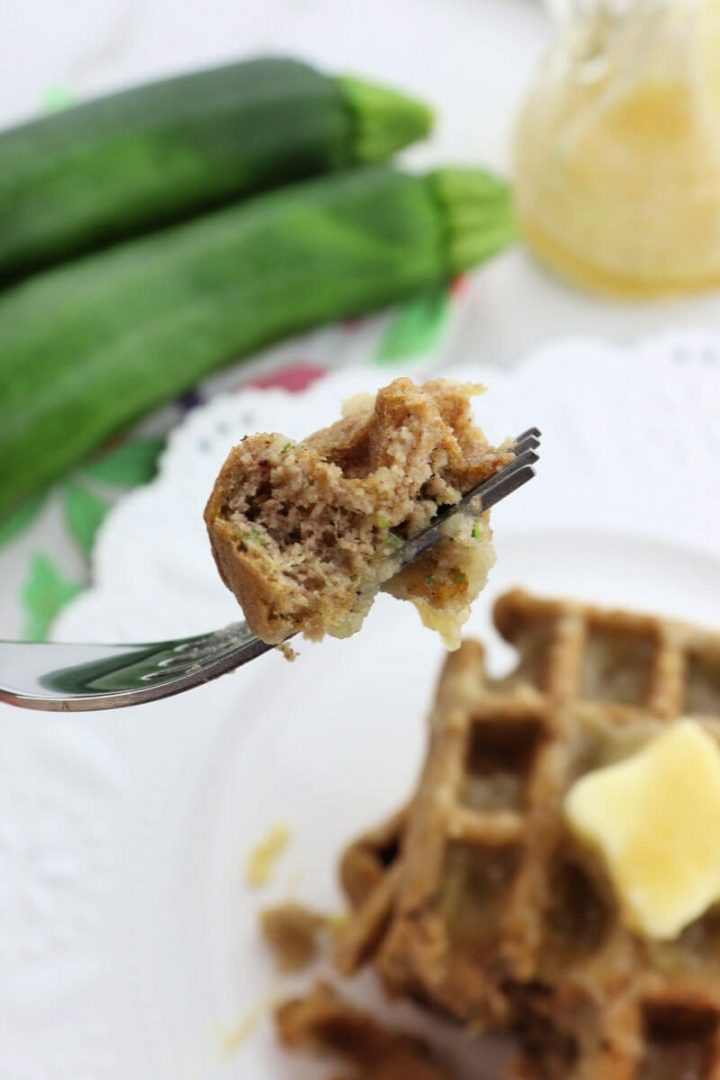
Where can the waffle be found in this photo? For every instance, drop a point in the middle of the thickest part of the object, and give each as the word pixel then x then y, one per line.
pixel 369 874
pixel 293 933
pixel 326 1024
pixel 496 915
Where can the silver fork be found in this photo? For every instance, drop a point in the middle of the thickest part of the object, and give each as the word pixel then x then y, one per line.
pixel 76 677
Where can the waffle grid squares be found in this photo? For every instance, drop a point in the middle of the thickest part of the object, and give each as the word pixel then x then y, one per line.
pixel 496 915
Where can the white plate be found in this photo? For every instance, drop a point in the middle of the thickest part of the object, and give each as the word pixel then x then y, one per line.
pixel 128 938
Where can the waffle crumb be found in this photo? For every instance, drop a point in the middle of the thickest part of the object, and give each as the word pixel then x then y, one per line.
pixel 305 534
pixel 263 858
pixel 294 934
pixel 324 1023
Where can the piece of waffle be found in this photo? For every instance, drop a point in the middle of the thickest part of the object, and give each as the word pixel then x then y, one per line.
pixel 326 1024
pixel 497 915
pixel 369 874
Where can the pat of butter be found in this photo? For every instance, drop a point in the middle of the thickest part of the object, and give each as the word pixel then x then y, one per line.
pixel 655 820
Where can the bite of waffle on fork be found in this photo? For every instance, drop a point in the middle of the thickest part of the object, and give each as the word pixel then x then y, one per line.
pixel 478 902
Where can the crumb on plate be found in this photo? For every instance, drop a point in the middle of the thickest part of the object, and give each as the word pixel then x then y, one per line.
pixel 263 858
pixel 293 932
pixel 234 1039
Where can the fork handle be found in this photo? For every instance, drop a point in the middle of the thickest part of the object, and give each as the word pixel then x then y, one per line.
pixel 71 677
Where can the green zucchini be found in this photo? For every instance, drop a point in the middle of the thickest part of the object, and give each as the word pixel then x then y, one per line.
pixel 88 347
pixel 133 161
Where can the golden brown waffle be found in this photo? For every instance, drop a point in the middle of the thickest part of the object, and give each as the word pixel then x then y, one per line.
pixel 326 1024
pixel 294 933
pixel 497 915
pixel 369 874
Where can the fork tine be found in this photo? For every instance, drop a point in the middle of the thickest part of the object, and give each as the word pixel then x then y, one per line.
pixel 508 479
pixel 498 486
pixel 529 440
pixel 513 475
pixel 504 483
pixel 525 457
